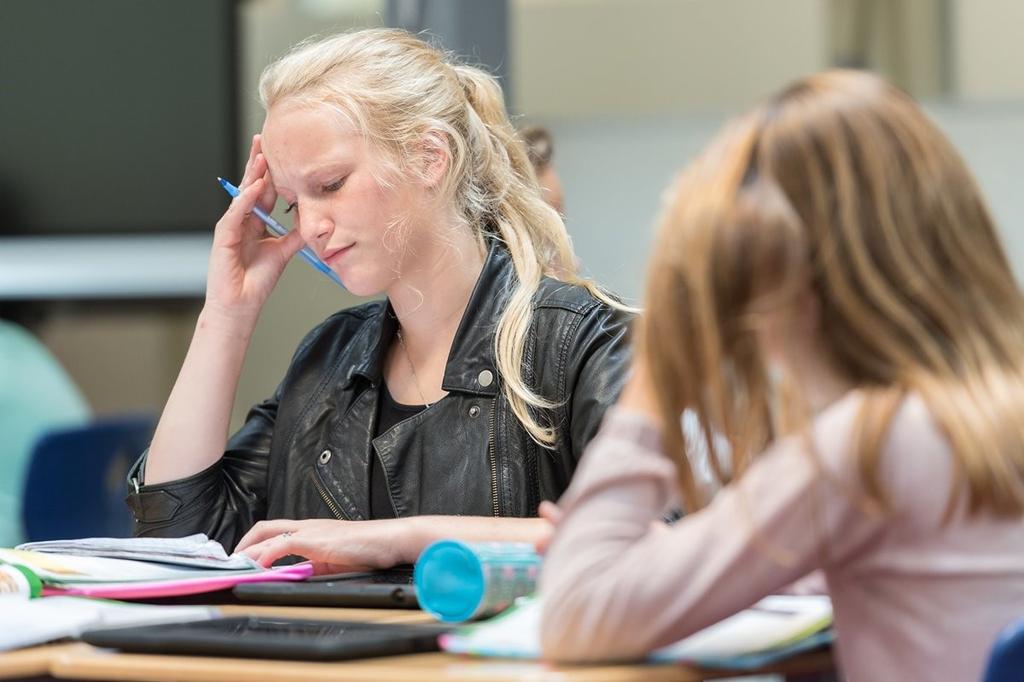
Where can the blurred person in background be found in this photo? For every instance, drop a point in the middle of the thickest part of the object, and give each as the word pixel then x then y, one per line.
pixel 541 148
pixel 36 396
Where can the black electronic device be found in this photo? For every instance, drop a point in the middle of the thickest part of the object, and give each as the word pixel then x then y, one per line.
pixel 391 588
pixel 270 637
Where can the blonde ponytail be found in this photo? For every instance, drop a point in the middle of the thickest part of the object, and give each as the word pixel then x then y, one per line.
pixel 397 89
pixel 531 230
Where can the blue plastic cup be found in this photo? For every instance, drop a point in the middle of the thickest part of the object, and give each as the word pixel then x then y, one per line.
pixel 458 581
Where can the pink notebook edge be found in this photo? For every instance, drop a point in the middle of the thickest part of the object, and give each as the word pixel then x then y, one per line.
pixel 184 586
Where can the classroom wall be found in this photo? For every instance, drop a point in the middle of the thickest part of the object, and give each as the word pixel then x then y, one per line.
pixel 124 358
pixel 616 171
pixel 613 59
pixel 632 89
pixel 988 49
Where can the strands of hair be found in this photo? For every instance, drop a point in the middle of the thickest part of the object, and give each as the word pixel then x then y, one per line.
pixel 840 186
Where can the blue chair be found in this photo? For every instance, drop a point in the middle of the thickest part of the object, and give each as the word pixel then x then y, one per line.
pixel 1006 660
pixel 75 487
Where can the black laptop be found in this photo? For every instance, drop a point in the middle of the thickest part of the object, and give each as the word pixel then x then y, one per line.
pixel 389 589
pixel 270 637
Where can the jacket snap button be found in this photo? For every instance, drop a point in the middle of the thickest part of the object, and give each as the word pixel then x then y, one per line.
pixel 485 378
pixel 325 456
pixel 474 411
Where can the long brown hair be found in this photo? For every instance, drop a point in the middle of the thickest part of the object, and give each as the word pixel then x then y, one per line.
pixel 841 185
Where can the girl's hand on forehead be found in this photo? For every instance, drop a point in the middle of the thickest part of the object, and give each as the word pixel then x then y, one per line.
pixel 255 168
pixel 246 262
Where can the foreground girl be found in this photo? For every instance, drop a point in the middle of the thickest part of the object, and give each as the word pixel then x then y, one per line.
pixel 827 286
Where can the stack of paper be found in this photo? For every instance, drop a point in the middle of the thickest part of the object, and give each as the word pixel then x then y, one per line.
pixel 194 550
pixel 161 567
pixel 772 629
pixel 34 621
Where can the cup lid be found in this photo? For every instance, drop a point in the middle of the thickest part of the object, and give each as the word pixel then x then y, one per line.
pixel 449 581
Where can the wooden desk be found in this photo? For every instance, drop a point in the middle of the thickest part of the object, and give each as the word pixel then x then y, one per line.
pixel 84 662
pixel 31 662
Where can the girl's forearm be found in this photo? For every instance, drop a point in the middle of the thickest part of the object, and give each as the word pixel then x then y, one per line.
pixel 423 530
pixel 192 432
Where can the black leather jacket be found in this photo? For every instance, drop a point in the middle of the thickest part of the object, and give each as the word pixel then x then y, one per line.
pixel 305 452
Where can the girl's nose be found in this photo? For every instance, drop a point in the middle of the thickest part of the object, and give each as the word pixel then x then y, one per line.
pixel 316 231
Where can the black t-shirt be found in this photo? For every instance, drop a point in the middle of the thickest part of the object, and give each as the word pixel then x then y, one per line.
pixel 389 413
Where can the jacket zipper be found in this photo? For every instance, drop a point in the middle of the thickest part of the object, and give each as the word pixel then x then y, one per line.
pixel 493 457
pixel 326 497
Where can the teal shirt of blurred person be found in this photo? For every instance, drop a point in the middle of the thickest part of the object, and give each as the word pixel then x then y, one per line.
pixel 36 395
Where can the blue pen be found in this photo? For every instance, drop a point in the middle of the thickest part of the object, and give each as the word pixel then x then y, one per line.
pixel 280 230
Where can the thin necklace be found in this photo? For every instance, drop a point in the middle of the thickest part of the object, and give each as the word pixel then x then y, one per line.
pixel 408 358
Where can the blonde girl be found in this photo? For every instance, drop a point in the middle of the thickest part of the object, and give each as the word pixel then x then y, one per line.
pixel 450 408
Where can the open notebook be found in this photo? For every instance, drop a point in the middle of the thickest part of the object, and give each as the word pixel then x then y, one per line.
pixel 774 628
pixel 171 567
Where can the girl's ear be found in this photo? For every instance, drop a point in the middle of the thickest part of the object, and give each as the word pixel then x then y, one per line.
pixel 436 158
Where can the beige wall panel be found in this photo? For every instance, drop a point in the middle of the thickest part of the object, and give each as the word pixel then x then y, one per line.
pixel 607 58
pixel 989 49
pixel 123 360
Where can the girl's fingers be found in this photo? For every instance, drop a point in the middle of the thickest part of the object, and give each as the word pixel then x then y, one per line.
pixel 231 228
pixel 269 195
pixel 249 175
pixel 264 530
pixel 290 244
pixel 265 553
pixel 257 168
pixel 550 512
pixel 243 204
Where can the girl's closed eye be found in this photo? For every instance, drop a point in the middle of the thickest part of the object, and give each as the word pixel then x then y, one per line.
pixel 292 207
pixel 333 186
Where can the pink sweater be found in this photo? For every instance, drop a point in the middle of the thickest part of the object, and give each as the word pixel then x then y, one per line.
pixel 913 600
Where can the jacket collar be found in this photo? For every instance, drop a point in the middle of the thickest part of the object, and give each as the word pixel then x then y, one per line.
pixel 471 366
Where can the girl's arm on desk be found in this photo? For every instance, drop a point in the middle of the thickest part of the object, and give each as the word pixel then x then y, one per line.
pixel 614 589
pixel 340 546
